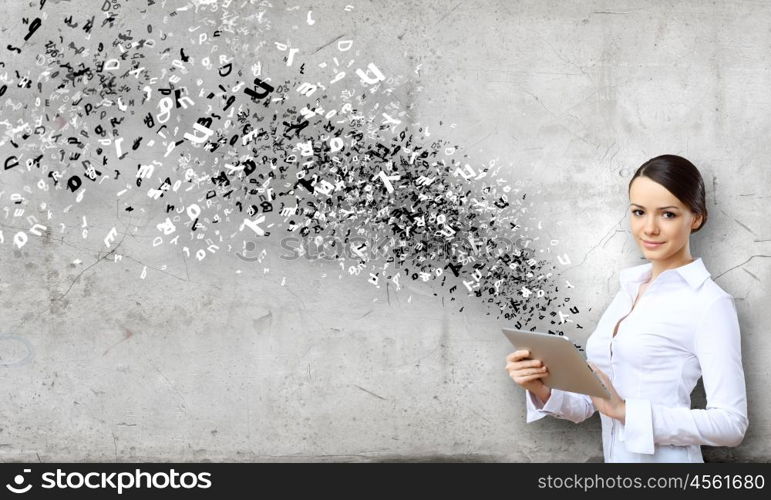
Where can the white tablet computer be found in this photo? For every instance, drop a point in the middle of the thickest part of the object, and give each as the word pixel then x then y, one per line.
pixel 568 370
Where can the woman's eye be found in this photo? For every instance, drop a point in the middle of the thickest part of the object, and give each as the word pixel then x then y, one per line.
pixel 673 215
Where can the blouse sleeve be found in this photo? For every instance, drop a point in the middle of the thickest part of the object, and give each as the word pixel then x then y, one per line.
pixel 561 404
pixel 717 346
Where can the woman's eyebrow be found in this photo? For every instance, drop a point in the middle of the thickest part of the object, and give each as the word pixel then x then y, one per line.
pixel 660 208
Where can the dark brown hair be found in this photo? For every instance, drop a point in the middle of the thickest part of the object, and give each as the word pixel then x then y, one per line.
pixel 681 178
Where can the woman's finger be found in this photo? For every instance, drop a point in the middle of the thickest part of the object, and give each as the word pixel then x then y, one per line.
pixel 514 356
pixel 606 381
pixel 528 378
pixel 529 372
pixel 525 365
pixel 599 372
pixel 517 355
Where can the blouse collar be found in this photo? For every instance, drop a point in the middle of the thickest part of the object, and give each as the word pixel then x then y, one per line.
pixel 693 273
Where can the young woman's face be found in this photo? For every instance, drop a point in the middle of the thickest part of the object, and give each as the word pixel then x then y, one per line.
pixel 657 216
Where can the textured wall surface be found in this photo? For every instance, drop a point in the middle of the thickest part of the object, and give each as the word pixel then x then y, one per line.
pixel 197 361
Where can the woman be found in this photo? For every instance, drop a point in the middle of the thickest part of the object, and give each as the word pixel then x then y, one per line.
pixel 668 325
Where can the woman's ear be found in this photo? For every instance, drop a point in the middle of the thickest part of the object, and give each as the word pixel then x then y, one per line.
pixel 696 222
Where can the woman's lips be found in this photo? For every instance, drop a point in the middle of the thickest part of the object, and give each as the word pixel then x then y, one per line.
pixel 652 244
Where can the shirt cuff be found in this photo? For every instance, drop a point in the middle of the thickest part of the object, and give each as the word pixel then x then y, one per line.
pixel 536 409
pixel 638 426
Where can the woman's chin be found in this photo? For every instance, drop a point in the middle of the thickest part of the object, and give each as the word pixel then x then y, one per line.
pixel 651 254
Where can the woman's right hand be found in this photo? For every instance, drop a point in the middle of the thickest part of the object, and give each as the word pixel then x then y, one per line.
pixel 527 373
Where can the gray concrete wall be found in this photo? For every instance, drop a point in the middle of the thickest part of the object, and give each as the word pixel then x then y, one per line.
pixel 220 360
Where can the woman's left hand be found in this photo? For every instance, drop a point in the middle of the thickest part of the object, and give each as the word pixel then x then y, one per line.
pixel 615 407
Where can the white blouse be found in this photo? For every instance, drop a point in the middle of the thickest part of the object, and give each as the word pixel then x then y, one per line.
pixel 683 327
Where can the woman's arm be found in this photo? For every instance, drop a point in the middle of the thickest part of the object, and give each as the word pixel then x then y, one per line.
pixel 561 404
pixel 717 346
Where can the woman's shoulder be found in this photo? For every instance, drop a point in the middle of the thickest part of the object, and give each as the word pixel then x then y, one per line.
pixel 709 292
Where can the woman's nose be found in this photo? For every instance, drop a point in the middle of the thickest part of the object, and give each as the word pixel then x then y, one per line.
pixel 650 226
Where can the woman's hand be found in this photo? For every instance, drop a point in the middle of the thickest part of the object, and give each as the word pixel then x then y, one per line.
pixel 615 407
pixel 528 373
